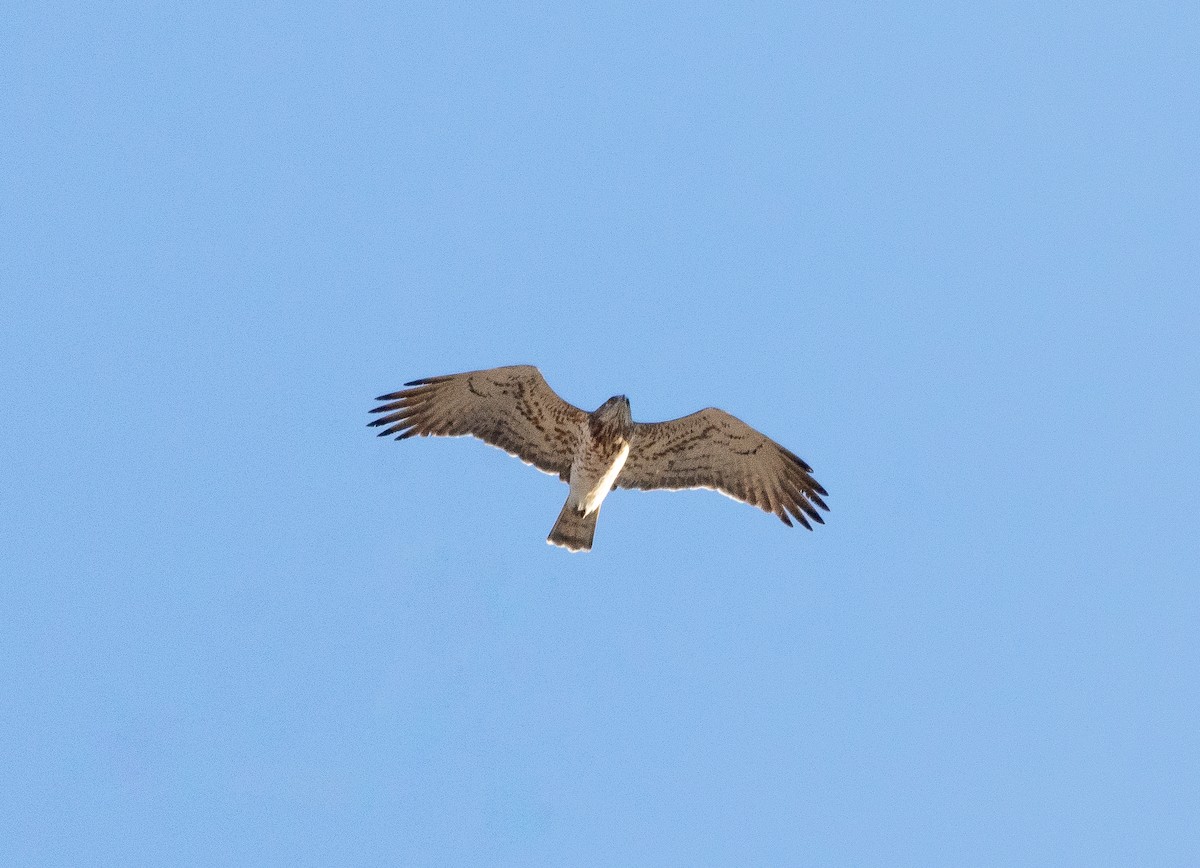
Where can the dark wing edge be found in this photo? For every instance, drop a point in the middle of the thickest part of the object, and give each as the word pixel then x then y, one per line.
pixel 512 408
pixel 714 450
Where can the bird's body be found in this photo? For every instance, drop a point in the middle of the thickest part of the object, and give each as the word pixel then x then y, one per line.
pixel 515 409
pixel 601 451
pixel 605 449
pixel 593 474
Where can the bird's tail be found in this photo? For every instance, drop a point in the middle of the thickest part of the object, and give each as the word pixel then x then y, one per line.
pixel 574 530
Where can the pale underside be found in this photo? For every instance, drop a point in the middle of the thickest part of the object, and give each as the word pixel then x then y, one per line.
pixel 587 490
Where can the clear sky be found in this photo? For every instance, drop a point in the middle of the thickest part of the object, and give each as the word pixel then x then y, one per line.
pixel 945 252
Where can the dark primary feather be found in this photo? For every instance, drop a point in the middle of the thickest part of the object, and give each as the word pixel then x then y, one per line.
pixel 512 408
pixel 712 449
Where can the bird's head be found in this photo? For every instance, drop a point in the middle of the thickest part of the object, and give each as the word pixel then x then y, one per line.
pixel 614 413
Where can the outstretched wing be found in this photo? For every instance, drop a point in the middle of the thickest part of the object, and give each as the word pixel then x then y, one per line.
pixel 512 408
pixel 711 449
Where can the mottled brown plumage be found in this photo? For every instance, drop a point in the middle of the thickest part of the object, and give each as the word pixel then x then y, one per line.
pixel 711 449
pixel 514 408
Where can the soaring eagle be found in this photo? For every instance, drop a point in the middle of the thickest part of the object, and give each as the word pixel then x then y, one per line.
pixel 514 408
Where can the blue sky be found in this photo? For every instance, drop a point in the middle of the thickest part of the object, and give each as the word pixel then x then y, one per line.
pixel 946 253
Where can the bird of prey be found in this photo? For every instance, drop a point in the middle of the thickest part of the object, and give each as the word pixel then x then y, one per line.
pixel 514 408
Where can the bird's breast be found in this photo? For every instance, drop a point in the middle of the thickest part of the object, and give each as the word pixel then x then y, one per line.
pixel 593 475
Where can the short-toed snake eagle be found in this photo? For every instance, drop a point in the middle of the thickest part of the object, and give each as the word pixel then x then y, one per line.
pixel 515 409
